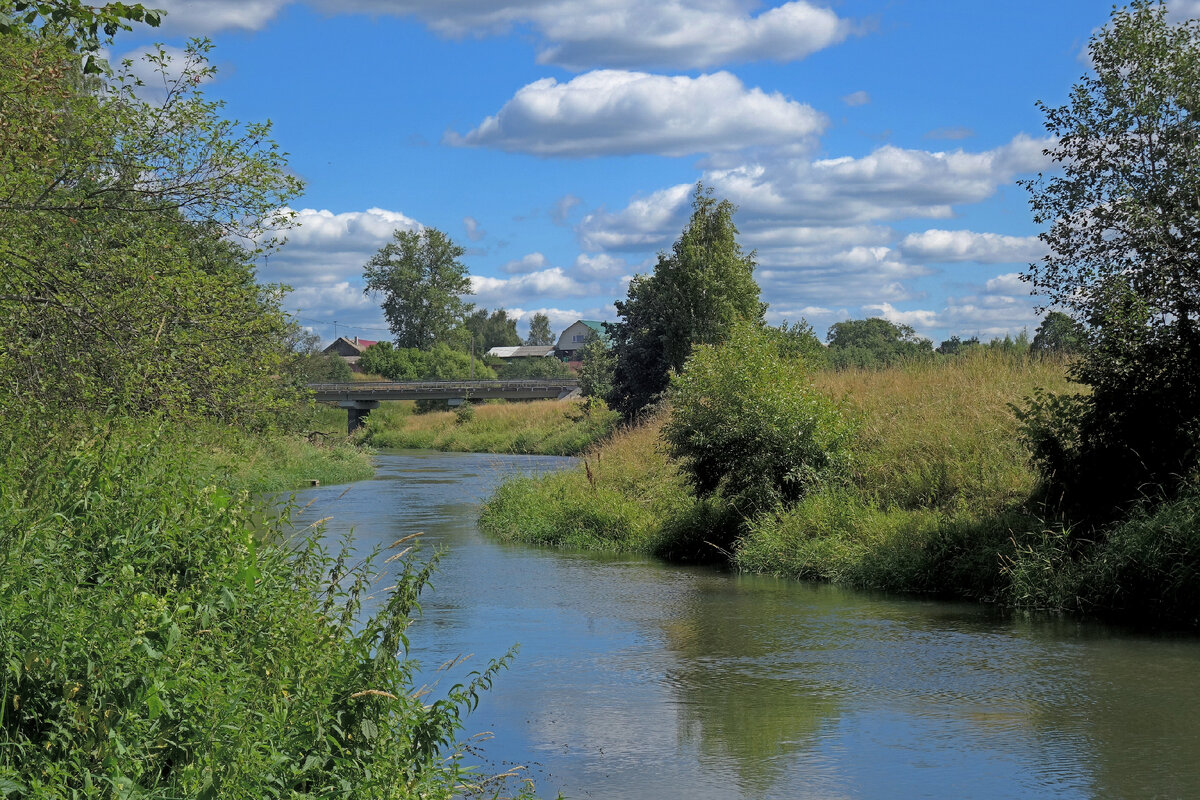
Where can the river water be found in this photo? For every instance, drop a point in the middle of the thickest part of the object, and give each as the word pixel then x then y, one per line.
pixel 637 679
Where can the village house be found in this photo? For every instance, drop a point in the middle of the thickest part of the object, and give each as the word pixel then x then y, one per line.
pixel 576 336
pixel 349 349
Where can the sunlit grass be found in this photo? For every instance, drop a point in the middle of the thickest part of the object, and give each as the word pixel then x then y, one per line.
pixel 543 427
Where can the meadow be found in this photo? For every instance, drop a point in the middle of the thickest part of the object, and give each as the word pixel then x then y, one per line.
pixel 541 427
pixel 940 498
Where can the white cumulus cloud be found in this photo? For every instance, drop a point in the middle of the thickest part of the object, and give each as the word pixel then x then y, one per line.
pixel 614 112
pixel 575 34
pixel 989 248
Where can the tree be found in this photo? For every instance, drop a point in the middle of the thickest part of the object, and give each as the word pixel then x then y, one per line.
pixel 125 285
pixel 491 330
pixel 695 295
pixel 873 343
pixel 749 425
pixel 1058 333
pixel 596 369
pixel 1124 263
pixel 539 331
pixel 956 345
pixel 422 283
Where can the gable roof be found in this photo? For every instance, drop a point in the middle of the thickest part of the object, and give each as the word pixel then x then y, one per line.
pixel 341 344
pixel 522 351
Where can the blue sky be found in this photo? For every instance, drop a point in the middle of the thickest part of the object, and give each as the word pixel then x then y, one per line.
pixel 872 146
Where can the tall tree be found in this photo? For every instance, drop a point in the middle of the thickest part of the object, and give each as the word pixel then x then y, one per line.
pixel 874 342
pixel 539 331
pixel 696 294
pixel 121 287
pixel 491 330
pixel 422 283
pixel 1124 260
pixel 1058 333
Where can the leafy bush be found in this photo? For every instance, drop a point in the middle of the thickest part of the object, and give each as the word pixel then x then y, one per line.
pixel 442 363
pixel 539 368
pixel 162 638
pixel 750 426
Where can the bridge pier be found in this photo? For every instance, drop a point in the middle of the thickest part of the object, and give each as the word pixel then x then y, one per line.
pixel 356 413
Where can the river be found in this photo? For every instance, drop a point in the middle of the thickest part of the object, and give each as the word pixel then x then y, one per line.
pixel 641 680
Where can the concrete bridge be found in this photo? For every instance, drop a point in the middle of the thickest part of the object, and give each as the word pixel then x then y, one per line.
pixel 359 398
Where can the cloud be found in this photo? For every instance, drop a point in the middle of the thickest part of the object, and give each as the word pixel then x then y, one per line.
pixel 678 34
pixel 578 35
pixel 613 112
pixel 209 16
pixel 986 248
pixel 474 231
pixel 1002 306
pixel 528 263
pixel 645 223
pixel 598 266
pixel 519 289
pixel 888 184
pixel 919 319
pixel 563 207
pixel 859 98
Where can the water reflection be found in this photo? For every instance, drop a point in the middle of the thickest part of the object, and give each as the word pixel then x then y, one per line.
pixel 640 680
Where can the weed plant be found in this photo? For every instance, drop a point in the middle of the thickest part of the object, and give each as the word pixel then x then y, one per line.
pixel 158 638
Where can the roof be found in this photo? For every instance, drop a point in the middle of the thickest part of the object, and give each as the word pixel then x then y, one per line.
pixel 594 325
pixel 522 351
pixel 356 344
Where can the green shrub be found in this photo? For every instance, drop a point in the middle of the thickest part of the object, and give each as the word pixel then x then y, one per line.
pixel 164 638
pixel 749 426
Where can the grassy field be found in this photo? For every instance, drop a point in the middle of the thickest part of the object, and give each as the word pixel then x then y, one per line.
pixel 543 427
pixel 936 499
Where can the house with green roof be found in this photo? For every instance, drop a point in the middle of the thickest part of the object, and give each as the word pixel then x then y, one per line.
pixel 576 336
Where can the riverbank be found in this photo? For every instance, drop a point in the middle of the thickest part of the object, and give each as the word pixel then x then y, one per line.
pixel 940 499
pixel 158 639
pixel 542 427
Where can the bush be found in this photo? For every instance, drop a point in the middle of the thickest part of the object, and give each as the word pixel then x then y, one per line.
pixel 156 640
pixel 749 426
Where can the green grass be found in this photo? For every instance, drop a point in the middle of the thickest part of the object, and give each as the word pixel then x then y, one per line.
pixel 272 463
pixel 546 427
pixel 937 490
pixel 161 636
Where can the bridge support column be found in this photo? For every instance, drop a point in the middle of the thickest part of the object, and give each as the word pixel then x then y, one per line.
pixel 356 413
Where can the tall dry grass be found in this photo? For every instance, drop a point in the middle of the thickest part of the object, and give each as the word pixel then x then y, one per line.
pixel 935 495
pixel 544 427
pixel 942 432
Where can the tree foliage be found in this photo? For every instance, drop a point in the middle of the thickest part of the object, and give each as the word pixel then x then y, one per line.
pixel 79 26
pixel 539 331
pixel 1058 334
pixel 873 343
pixel 1124 262
pixel 596 368
pixel 125 233
pixel 748 425
pixel 422 282
pixel 695 295
pixel 439 363
pixel 491 330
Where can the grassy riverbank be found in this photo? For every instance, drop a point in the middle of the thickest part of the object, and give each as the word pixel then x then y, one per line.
pixel 157 641
pixel 938 500
pixel 544 427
